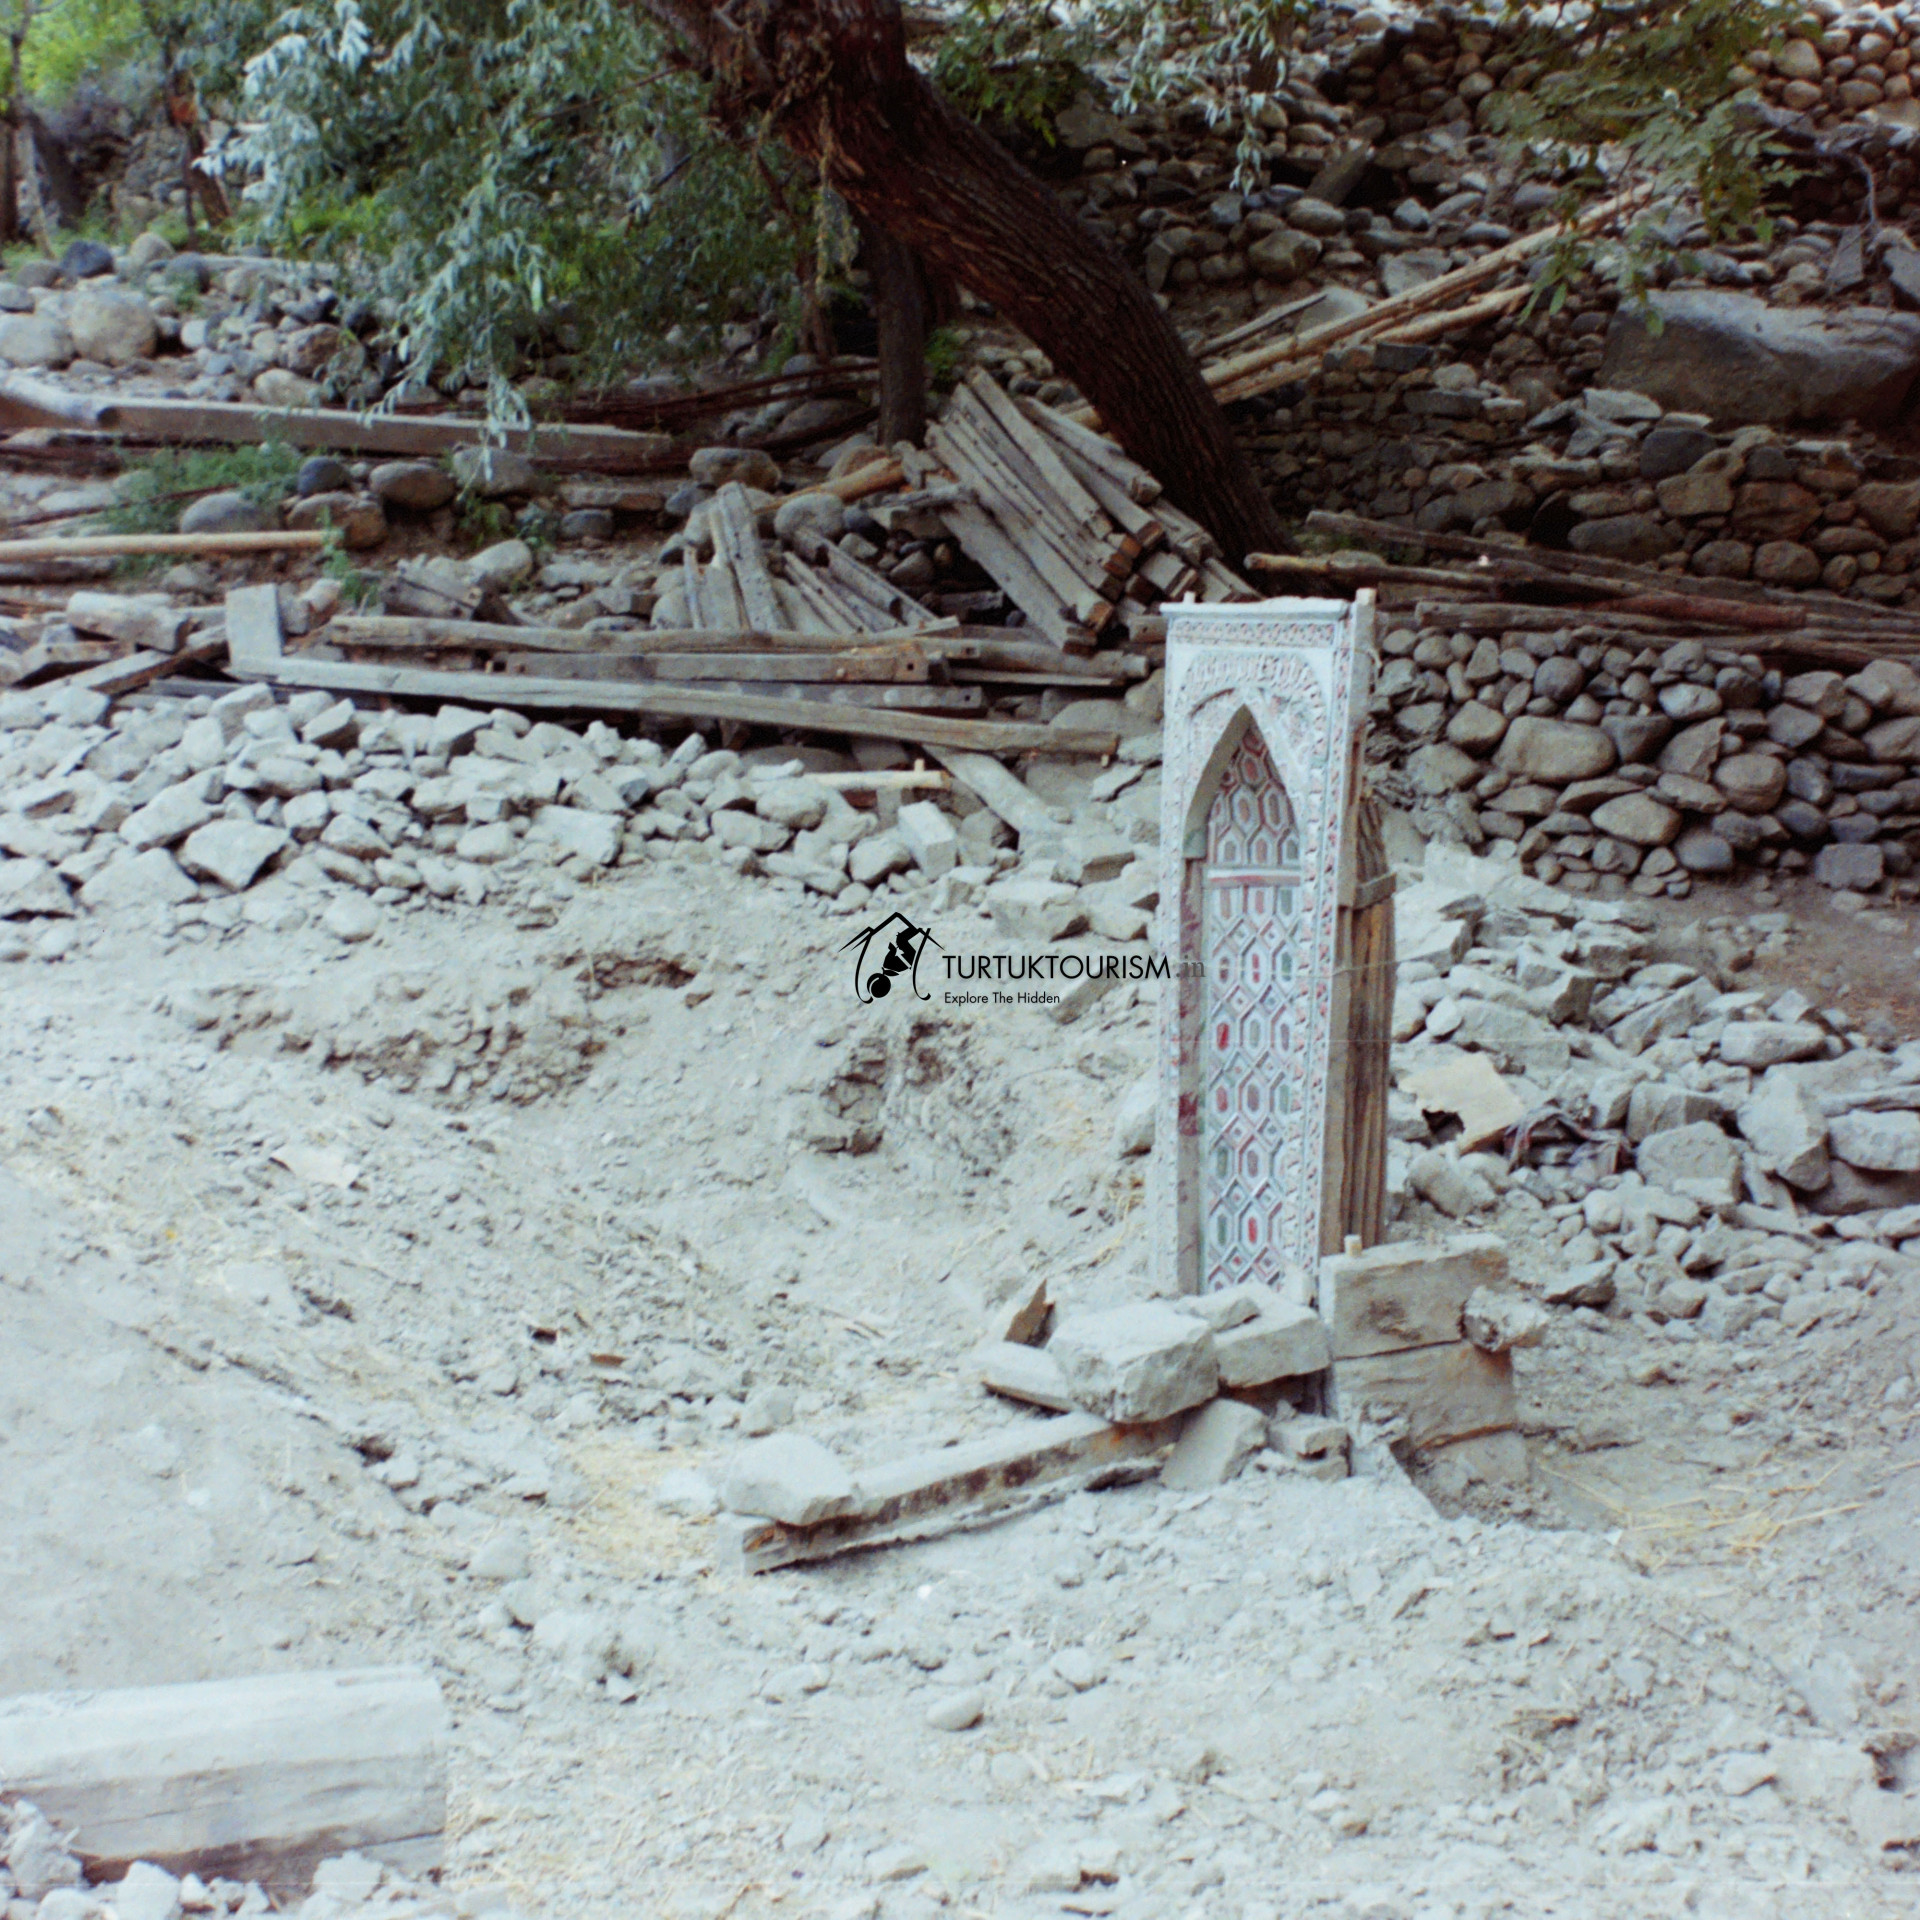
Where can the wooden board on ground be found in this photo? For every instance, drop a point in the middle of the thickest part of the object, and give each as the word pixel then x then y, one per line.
pixel 1407 1294
pixel 681 703
pixel 28 402
pixel 1445 1393
pixel 255 1779
pixel 971 1485
pixel 428 634
pixel 1001 792
pixel 115 677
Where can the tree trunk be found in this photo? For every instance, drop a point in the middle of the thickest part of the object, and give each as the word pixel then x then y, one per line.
pixel 833 76
pixel 10 188
pixel 900 307
pixel 69 192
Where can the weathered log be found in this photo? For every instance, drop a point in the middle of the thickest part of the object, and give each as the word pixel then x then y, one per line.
pixel 90 546
pixel 255 1779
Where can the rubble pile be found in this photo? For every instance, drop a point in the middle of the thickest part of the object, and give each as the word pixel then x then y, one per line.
pixel 42 1875
pixel 1702 1153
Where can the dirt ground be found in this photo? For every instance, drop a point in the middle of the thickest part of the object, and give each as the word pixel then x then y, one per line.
pixel 361 1298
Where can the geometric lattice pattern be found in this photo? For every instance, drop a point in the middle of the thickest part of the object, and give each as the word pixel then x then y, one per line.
pixel 1253 1068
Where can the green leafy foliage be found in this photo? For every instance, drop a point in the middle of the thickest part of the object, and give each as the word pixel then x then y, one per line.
pixel 156 488
pixel 517 178
pixel 1644 91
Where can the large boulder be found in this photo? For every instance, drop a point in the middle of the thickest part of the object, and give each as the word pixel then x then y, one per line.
pixel 110 326
pixel 1740 361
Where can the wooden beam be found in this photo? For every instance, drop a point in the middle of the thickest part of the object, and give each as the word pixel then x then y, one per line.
pixel 1444 1393
pixel 971 1485
pixel 530 690
pixel 428 635
pixel 115 677
pixel 86 546
pixel 235 423
pixel 255 1779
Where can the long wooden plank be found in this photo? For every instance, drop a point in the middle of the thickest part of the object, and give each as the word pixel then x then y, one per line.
pixel 247 1779
pixel 1021 433
pixel 115 677
pixel 1095 449
pixel 427 633
pixel 533 690
pixel 830 608
pixel 1001 792
pixel 876 664
pixel 239 424
pixel 85 546
pixel 735 535
pixel 973 1484
pixel 986 544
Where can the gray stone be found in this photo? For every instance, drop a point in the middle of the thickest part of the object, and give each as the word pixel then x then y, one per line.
pixel 322 473
pixel 1655 1106
pixel 112 326
pixel 821 514
pixel 1672 1014
pixel 1281 1341
pixel 172 814
pixel 879 855
pixel 1625 536
pixel 419 486
pixel 1672 450
pixel 30 886
pixel 1133 1124
pixel 231 851
pixel 224 513
pixel 1439 769
pixel 1785 563
pixel 1860 867
pixel 35 1857
pixel 350 919
pixel 1214 1445
pixel 1693 752
pixel 593 837
pixel 337 725
pixel 1698 1161
pixel 1555 751
pixel 1639 818
pixel 955 1712
pixel 1036 910
pixel 1782 1122
pixel 734 828
pixel 34 340
pixel 1497 1321
pixel 1877 1142
pixel 1739 360
pixel 281 387
pixel 1136 1363
pixel 1476 729
pixel 751 466
pixel 931 838
pixel 147 1892
pixel 1316 217
pixel 788 1477
pixel 85 260
pixel 504 564
pixel 1759 1044
pixel 150 879
pixel 1701 851
pixel 1754 782
pixel 1089 856
pixel 1587 1283
pixel 1438 1178
pixel 493 473
pixel 1284 256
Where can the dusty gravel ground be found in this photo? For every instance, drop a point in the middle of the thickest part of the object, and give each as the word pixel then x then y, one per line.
pixel 359 1298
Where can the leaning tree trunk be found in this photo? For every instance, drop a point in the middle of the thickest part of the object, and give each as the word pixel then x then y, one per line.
pixel 833 80
pixel 900 309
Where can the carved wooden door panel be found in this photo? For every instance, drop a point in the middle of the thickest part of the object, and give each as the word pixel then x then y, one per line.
pixel 1252 1065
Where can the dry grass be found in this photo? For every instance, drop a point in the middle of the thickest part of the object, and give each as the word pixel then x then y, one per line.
pixel 1737 1520
pixel 621 1525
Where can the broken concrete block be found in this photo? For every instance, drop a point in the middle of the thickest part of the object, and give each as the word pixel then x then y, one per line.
pixel 1410 1294
pixel 1879 1142
pixel 1312 1444
pixel 1028 1374
pixel 1496 1321
pixel 1137 1363
pixel 1784 1125
pixel 230 851
pixel 148 1892
pixel 1767 1043
pixel 1698 1161
pixel 1214 1445
pixel 1281 1342
pixel 1439 1179
pixel 1656 1106
pixel 930 838
pixel 787 1477
pixel 1229 1306
pixel 1133 1124
pixel 1036 910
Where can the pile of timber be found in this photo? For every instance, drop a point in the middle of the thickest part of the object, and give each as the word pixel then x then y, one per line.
pixel 1498 587
pixel 1075 534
